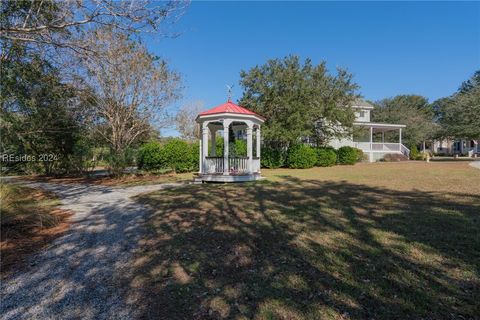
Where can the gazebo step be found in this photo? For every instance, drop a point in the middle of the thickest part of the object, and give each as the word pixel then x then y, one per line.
pixel 227 178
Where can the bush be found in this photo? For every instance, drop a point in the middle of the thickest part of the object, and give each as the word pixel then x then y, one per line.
pixel 326 157
pixel 272 157
pixel 301 157
pixel 414 154
pixel 347 155
pixel 178 155
pixel 195 154
pixel 238 149
pixel 359 154
pixel 151 156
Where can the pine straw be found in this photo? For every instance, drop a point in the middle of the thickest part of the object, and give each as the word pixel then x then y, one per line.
pixel 30 220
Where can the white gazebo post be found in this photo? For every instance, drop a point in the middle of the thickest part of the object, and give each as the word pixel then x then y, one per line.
pixel 200 170
pixel 249 148
pixel 204 146
pixel 400 139
pixel 258 143
pixel 371 145
pixel 226 125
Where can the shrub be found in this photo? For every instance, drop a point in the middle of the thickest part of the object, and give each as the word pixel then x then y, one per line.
pixel 178 155
pixel 239 148
pixel 301 157
pixel 414 153
pixel 347 155
pixel 272 157
pixel 195 154
pixel 359 154
pixel 151 156
pixel 326 157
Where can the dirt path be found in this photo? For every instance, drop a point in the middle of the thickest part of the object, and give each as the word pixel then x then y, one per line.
pixel 86 273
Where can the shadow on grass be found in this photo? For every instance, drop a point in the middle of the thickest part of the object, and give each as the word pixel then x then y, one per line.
pixel 308 250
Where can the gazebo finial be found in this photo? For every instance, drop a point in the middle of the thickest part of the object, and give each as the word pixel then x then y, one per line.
pixel 229 92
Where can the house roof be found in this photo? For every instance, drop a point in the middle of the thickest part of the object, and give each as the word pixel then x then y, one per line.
pixel 229 107
pixel 360 103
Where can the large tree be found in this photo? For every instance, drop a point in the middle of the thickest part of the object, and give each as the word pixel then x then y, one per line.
pixel 294 97
pixel 411 110
pixel 132 89
pixel 60 24
pixel 459 114
pixel 40 115
pixel 185 120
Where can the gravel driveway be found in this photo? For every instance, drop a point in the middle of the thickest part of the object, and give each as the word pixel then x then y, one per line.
pixel 86 273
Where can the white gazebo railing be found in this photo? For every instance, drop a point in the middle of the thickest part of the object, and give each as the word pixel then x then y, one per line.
pixel 236 165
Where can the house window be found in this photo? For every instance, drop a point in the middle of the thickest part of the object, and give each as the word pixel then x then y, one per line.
pixel 362 114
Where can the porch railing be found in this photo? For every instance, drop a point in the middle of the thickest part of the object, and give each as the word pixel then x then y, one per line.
pixel 236 165
pixel 382 147
pixel 214 164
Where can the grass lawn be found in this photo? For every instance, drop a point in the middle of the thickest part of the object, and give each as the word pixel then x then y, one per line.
pixel 29 219
pixel 371 241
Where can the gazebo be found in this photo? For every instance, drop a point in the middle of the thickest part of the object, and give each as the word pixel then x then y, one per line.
pixel 236 122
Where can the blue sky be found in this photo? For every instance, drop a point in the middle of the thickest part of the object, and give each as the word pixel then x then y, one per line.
pixel 425 48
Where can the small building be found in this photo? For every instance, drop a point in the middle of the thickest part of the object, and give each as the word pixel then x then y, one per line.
pixel 371 137
pixel 229 118
pixel 451 147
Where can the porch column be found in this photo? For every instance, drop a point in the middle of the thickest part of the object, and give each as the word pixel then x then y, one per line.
pixel 200 156
pixel 383 136
pixel 400 139
pixel 204 147
pixel 258 142
pixel 371 145
pixel 249 148
pixel 213 141
pixel 226 126
pixel 258 147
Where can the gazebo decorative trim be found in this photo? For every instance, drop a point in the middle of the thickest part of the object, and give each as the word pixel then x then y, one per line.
pixel 226 168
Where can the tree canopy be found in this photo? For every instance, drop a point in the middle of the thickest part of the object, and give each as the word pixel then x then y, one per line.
pixel 294 97
pixel 459 114
pixel 411 110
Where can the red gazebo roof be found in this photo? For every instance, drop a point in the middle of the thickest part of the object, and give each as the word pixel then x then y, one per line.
pixel 229 107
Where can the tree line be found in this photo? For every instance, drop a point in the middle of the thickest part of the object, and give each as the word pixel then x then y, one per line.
pixel 77 79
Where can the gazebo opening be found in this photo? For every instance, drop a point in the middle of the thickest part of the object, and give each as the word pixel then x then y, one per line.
pixel 239 158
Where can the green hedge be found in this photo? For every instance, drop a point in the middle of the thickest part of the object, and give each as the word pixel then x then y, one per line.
pixel 347 155
pixel 301 157
pixel 326 157
pixel 195 154
pixel 272 157
pixel 176 155
pixel 359 154
pixel 151 156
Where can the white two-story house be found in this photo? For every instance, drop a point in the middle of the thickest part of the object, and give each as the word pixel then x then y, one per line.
pixel 374 139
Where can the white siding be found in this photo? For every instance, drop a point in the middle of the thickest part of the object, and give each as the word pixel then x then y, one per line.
pixel 362 115
pixel 337 143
